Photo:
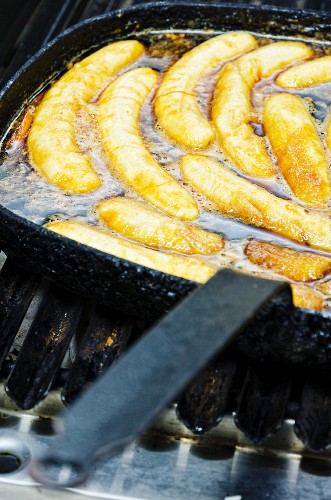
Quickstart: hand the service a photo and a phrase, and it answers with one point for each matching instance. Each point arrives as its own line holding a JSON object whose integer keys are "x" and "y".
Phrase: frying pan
{"x": 135, "y": 289}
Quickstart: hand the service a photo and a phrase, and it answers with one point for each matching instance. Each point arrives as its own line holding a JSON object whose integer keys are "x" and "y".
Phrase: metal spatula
{"x": 130, "y": 395}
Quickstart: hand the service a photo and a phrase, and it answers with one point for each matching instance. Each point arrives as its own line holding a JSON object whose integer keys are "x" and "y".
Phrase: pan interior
{"x": 28, "y": 195}
{"x": 204, "y": 22}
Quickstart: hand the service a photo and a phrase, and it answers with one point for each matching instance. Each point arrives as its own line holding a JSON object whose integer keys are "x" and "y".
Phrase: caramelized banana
{"x": 307, "y": 74}
{"x": 232, "y": 115}
{"x": 176, "y": 104}
{"x": 239, "y": 198}
{"x": 298, "y": 148}
{"x": 232, "y": 110}
{"x": 306, "y": 297}
{"x": 22, "y": 130}
{"x": 184, "y": 267}
{"x": 51, "y": 142}
{"x": 119, "y": 111}
{"x": 296, "y": 266}
{"x": 324, "y": 287}
{"x": 263, "y": 62}
{"x": 137, "y": 222}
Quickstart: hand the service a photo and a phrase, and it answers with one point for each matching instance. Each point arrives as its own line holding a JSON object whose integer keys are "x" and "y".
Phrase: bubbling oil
{"x": 25, "y": 192}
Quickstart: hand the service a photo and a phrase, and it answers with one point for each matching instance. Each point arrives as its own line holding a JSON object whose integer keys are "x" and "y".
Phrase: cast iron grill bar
{"x": 263, "y": 401}
{"x": 17, "y": 288}
{"x": 44, "y": 347}
{"x": 205, "y": 401}
{"x": 104, "y": 341}
{"x": 313, "y": 421}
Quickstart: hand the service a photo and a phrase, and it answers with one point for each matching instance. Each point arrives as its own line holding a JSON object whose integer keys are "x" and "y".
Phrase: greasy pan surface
{"x": 110, "y": 280}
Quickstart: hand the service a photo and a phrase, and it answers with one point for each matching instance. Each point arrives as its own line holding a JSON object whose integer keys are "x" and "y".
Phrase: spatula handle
{"x": 126, "y": 399}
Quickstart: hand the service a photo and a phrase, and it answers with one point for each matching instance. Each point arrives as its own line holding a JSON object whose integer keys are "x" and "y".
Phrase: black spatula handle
{"x": 126, "y": 399}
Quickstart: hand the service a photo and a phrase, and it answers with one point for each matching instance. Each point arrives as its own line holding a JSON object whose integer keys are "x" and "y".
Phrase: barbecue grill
{"x": 275, "y": 419}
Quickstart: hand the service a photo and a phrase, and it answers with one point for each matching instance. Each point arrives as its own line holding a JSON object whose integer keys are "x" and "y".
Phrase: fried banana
{"x": 22, "y": 131}
{"x": 237, "y": 197}
{"x": 307, "y": 74}
{"x": 51, "y": 142}
{"x": 232, "y": 115}
{"x": 324, "y": 287}
{"x": 136, "y": 221}
{"x": 232, "y": 111}
{"x": 307, "y": 297}
{"x": 177, "y": 265}
{"x": 119, "y": 110}
{"x": 176, "y": 104}
{"x": 328, "y": 130}
{"x": 296, "y": 266}
{"x": 298, "y": 148}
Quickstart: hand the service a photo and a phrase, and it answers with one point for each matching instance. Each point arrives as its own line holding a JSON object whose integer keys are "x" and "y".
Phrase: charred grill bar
{"x": 262, "y": 395}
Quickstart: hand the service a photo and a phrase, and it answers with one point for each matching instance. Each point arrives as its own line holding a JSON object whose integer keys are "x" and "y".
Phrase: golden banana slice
{"x": 232, "y": 115}
{"x": 307, "y": 74}
{"x": 328, "y": 131}
{"x": 51, "y": 142}
{"x": 119, "y": 110}
{"x": 296, "y": 266}
{"x": 184, "y": 267}
{"x": 324, "y": 287}
{"x": 298, "y": 148}
{"x": 176, "y": 104}
{"x": 307, "y": 297}
{"x": 254, "y": 205}
{"x": 232, "y": 110}
{"x": 134, "y": 220}
{"x": 264, "y": 61}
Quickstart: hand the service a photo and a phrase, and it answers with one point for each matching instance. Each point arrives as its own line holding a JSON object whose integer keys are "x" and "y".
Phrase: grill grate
{"x": 262, "y": 396}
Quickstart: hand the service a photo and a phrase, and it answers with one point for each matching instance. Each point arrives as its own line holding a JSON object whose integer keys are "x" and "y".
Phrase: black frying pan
{"x": 123, "y": 284}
